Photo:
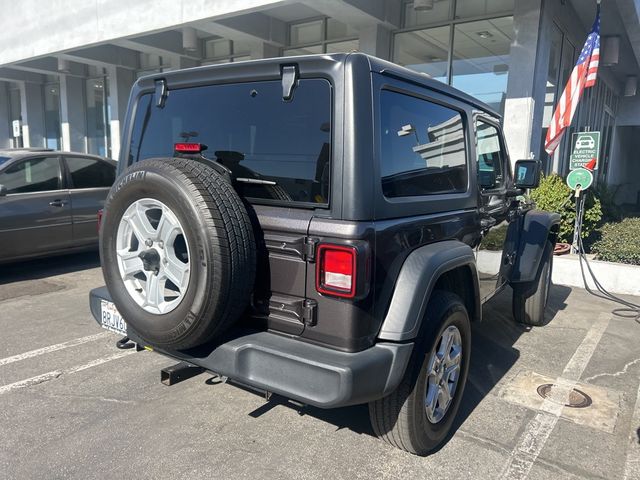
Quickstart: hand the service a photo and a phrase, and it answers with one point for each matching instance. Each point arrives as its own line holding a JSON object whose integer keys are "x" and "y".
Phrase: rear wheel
{"x": 530, "y": 301}
{"x": 178, "y": 252}
{"x": 418, "y": 415}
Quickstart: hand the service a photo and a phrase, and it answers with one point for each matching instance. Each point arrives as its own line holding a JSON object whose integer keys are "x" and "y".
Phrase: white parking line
{"x": 52, "y": 348}
{"x": 632, "y": 464}
{"x": 537, "y": 432}
{"x": 45, "y": 377}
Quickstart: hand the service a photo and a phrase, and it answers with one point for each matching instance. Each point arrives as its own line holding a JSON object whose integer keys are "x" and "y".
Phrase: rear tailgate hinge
{"x": 309, "y": 249}
{"x": 309, "y": 307}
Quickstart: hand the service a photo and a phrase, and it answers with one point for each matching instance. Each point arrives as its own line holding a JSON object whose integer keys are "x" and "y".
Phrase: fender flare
{"x": 537, "y": 227}
{"x": 415, "y": 282}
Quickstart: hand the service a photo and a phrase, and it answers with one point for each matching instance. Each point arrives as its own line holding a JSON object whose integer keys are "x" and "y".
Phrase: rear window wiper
{"x": 257, "y": 181}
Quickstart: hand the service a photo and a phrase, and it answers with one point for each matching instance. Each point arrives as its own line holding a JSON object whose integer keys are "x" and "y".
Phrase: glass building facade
{"x": 463, "y": 43}
{"x": 515, "y": 55}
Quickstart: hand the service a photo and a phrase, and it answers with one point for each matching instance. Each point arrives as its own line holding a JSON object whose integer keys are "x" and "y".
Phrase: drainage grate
{"x": 577, "y": 398}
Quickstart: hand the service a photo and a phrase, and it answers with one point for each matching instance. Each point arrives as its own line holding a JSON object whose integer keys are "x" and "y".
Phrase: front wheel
{"x": 418, "y": 415}
{"x": 530, "y": 302}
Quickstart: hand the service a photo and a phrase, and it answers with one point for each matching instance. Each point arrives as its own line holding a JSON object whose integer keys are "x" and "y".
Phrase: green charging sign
{"x": 579, "y": 176}
{"x": 584, "y": 147}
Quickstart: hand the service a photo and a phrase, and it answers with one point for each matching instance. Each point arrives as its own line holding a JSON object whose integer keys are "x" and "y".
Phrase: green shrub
{"x": 620, "y": 242}
{"x": 494, "y": 239}
{"x": 552, "y": 194}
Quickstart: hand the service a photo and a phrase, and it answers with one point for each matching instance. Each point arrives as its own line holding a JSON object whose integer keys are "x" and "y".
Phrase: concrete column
{"x": 264, "y": 50}
{"x": 72, "y": 113}
{"x": 32, "y": 104}
{"x": 6, "y": 132}
{"x": 527, "y": 79}
{"x": 120, "y": 82}
{"x": 375, "y": 40}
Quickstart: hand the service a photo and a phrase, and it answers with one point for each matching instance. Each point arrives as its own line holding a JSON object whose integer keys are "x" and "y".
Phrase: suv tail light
{"x": 336, "y": 270}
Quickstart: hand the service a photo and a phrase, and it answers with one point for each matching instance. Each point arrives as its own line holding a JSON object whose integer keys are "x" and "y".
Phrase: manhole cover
{"x": 577, "y": 398}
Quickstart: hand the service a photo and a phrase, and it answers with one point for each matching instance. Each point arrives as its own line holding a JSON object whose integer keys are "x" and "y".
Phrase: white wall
{"x": 37, "y": 27}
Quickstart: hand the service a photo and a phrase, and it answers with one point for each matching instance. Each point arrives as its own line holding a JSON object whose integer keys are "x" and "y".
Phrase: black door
{"x": 498, "y": 211}
{"x": 35, "y": 214}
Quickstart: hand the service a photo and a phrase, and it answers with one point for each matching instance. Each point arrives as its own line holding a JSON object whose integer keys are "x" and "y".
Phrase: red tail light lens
{"x": 188, "y": 147}
{"x": 100, "y": 212}
{"x": 336, "y": 270}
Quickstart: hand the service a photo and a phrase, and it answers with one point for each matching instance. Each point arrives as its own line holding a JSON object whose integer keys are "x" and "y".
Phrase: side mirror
{"x": 3, "y": 190}
{"x": 527, "y": 174}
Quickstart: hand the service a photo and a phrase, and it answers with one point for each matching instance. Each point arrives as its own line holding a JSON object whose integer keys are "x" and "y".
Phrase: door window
{"x": 490, "y": 156}
{"x": 90, "y": 173}
{"x": 32, "y": 175}
{"x": 422, "y": 147}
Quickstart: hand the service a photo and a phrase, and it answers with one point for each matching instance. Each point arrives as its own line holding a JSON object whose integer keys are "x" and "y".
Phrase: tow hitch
{"x": 179, "y": 372}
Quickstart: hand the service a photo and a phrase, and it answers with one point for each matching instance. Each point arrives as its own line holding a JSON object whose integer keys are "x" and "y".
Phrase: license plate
{"x": 111, "y": 318}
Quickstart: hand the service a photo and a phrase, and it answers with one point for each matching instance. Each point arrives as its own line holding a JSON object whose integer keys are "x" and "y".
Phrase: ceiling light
{"x": 610, "y": 51}
{"x": 189, "y": 39}
{"x": 484, "y": 34}
{"x": 422, "y": 5}
{"x": 631, "y": 86}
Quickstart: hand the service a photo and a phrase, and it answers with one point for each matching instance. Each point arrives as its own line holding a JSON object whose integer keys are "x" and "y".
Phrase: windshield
{"x": 282, "y": 148}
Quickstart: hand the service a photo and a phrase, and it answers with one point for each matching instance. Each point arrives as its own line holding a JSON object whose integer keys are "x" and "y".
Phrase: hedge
{"x": 552, "y": 194}
{"x": 619, "y": 242}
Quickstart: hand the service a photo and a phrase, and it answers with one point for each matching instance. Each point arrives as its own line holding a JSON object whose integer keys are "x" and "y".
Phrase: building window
{"x": 220, "y": 50}
{"x": 52, "y": 115}
{"x": 325, "y": 35}
{"x": 15, "y": 111}
{"x": 98, "y": 128}
{"x": 426, "y": 51}
{"x": 441, "y": 11}
{"x": 477, "y": 8}
{"x": 470, "y": 55}
{"x": 422, "y": 147}
{"x": 480, "y": 60}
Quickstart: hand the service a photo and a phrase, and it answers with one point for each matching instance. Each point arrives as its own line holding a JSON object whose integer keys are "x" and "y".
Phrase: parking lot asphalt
{"x": 74, "y": 406}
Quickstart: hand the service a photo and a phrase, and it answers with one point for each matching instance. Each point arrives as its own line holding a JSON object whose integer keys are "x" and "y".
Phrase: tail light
{"x": 184, "y": 147}
{"x": 100, "y": 212}
{"x": 336, "y": 270}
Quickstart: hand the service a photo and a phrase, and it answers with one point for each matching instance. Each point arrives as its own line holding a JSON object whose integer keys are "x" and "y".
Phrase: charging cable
{"x": 628, "y": 309}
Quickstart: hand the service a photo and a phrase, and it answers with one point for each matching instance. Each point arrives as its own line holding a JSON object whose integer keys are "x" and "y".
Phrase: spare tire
{"x": 178, "y": 251}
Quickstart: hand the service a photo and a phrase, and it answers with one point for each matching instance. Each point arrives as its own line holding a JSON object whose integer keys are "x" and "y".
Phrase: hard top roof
{"x": 376, "y": 65}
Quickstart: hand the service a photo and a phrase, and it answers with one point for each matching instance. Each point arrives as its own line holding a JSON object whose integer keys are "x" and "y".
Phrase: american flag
{"x": 583, "y": 76}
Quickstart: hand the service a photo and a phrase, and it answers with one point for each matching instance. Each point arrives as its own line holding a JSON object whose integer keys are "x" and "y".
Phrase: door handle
{"x": 57, "y": 203}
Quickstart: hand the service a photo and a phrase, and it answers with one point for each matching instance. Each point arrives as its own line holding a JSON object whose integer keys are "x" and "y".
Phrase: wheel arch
{"x": 538, "y": 228}
{"x": 448, "y": 265}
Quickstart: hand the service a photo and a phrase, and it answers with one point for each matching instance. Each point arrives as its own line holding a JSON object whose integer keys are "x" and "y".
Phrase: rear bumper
{"x": 301, "y": 371}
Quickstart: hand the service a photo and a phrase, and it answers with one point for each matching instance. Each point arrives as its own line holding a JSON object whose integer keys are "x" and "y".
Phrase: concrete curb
{"x": 615, "y": 277}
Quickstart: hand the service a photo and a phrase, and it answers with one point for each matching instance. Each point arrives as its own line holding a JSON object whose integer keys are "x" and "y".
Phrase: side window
{"x": 90, "y": 173}
{"x": 490, "y": 156}
{"x": 32, "y": 175}
{"x": 422, "y": 147}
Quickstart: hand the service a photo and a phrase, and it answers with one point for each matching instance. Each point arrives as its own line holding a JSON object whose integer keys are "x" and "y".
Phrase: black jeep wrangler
{"x": 313, "y": 227}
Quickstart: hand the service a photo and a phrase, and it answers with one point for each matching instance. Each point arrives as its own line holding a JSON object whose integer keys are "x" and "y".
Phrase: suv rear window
{"x": 249, "y": 129}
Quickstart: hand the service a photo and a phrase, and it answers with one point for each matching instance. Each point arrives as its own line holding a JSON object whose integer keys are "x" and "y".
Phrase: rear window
{"x": 249, "y": 129}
